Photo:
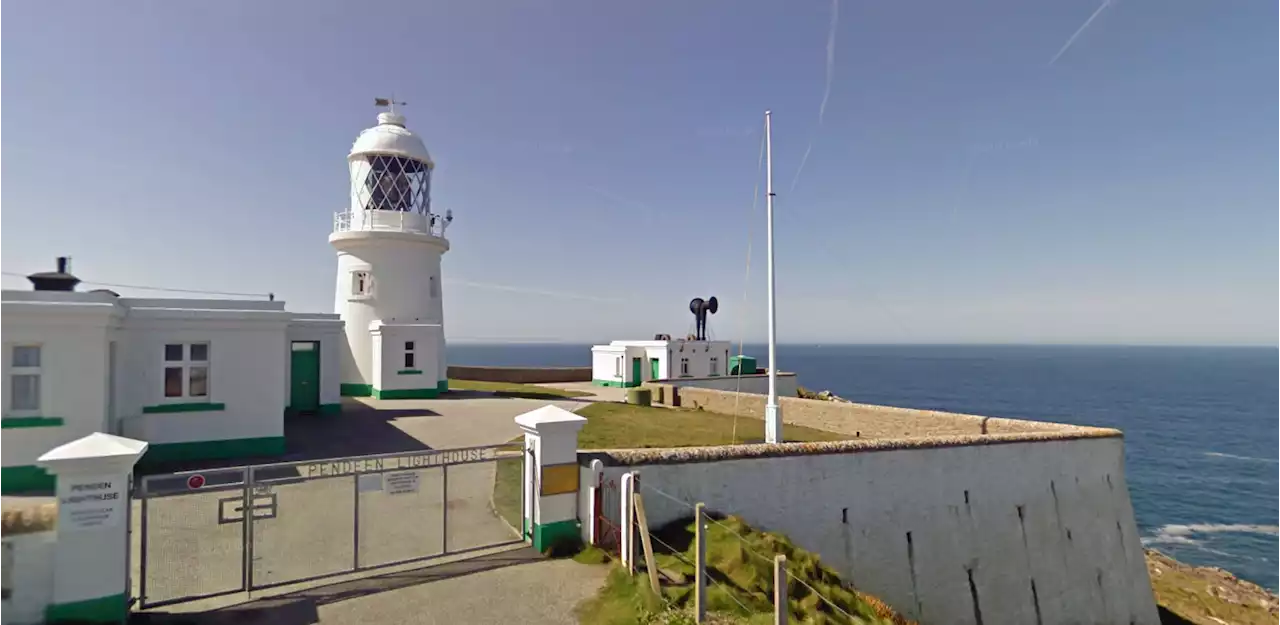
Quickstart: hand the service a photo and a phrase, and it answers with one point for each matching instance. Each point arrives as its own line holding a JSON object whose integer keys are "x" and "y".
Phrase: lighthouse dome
{"x": 390, "y": 138}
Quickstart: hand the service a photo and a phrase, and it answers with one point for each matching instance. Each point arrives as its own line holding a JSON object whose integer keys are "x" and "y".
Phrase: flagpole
{"x": 772, "y": 412}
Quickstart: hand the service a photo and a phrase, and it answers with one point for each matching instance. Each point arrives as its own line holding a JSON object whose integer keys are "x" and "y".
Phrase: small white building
{"x": 630, "y": 363}
{"x": 195, "y": 378}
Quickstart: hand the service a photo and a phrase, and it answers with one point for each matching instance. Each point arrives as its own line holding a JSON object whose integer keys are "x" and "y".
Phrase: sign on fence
{"x": 402, "y": 483}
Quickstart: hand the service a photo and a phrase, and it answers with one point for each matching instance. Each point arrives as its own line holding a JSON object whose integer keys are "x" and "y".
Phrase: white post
{"x": 772, "y": 412}
{"x": 627, "y": 544}
{"x": 700, "y": 564}
{"x": 597, "y": 470}
{"x": 551, "y": 515}
{"x": 91, "y": 556}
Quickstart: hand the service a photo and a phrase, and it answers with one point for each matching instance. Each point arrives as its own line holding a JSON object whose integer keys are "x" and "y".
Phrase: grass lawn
{"x": 506, "y": 389}
{"x": 623, "y": 426}
{"x": 740, "y": 578}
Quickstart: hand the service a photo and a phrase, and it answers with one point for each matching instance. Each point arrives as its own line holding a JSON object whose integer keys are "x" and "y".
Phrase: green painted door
{"x": 653, "y": 369}
{"x": 635, "y": 372}
{"x": 304, "y": 373}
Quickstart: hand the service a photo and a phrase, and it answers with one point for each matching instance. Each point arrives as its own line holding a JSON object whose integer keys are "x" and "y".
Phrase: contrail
{"x": 1066, "y": 46}
{"x": 529, "y": 291}
{"x": 826, "y": 91}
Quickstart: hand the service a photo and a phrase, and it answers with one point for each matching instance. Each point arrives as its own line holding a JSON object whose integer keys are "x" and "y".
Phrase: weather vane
{"x": 391, "y": 103}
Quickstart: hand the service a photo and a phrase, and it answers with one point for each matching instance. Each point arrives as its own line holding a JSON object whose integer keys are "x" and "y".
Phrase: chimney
{"x": 59, "y": 280}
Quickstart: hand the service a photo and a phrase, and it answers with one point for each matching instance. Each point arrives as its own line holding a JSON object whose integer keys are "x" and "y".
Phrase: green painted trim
{"x": 406, "y": 393}
{"x": 194, "y": 407}
{"x": 113, "y": 609}
{"x": 615, "y": 383}
{"x": 25, "y": 479}
{"x": 356, "y": 390}
{"x": 547, "y": 534}
{"x": 330, "y": 409}
{"x": 442, "y": 386}
{"x": 409, "y": 372}
{"x": 210, "y": 450}
{"x": 30, "y": 422}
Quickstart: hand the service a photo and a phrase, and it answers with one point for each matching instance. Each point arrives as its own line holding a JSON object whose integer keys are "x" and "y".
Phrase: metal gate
{"x": 313, "y": 519}
{"x": 608, "y": 514}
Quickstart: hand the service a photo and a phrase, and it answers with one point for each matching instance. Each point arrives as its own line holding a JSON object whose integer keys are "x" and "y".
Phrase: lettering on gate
{"x": 399, "y": 463}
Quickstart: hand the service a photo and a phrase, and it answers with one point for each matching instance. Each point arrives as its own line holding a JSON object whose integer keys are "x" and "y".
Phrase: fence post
{"x": 91, "y": 555}
{"x": 551, "y": 433}
{"x": 700, "y": 563}
{"x": 627, "y": 548}
{"x": 780, "y": 607}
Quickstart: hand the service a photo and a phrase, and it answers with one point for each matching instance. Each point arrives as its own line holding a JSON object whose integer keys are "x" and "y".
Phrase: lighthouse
{"x": 389, "y": 244}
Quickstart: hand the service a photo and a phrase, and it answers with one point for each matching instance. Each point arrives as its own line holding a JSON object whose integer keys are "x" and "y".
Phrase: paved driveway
{"x": 321, "y": 526}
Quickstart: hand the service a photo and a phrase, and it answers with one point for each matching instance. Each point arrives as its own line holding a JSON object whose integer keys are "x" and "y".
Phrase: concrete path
{"x": 506, "y": 587}
{"x": 598, "y": 393}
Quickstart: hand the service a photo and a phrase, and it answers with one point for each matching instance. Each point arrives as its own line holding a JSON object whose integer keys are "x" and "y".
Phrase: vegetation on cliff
{"x": 1207, "y": 596}
{"x": 739, "y": 563}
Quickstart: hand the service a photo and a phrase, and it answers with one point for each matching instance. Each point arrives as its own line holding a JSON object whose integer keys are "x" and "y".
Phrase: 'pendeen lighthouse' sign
{"x": 94, "y": 503}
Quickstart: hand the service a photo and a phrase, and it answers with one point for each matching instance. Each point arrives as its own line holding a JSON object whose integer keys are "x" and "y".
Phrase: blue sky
{"x": 600, "y": 159}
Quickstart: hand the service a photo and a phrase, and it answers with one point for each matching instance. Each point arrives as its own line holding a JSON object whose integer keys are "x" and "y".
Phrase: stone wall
{"x": 521, "y": 375}
{"x": 857, "y": 420}
{"x": 27, "y": 550}
{"x": 1032, "y": 527}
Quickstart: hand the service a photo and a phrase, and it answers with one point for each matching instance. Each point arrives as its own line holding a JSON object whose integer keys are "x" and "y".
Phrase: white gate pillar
{"x": 551, "y": 475}
{"x": 91, "y": 555}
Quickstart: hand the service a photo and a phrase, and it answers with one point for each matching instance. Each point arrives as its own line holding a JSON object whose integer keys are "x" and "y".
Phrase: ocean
{"x": 1200, "y": 423}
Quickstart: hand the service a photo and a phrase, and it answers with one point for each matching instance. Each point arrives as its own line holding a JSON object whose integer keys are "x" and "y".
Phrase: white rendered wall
{"x": 73, "y": 373}
{"x": 1077, "y": 538}
{"x": 699, "y": 354}
{"x": 248, "y": 365}
{"x": 327, "y": 330}
{"x": 28, "y": 575}
{"x": 402, "y": 266}
{"x": 604, "y": 361}
{"x": 389, "y": 340}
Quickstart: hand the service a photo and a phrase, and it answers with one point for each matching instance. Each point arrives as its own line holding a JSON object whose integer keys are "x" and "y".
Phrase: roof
{"x": 390, "y": 137}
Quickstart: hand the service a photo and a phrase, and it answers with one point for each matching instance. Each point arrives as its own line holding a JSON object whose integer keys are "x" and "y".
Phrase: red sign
{"x": 195, "y": 481}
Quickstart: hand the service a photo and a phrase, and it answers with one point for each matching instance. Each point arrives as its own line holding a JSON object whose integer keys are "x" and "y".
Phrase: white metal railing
{"x": 390, "y": 221}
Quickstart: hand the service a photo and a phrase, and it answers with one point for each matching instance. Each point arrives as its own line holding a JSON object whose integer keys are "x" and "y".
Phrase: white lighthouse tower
{"x": 389, "y": 245}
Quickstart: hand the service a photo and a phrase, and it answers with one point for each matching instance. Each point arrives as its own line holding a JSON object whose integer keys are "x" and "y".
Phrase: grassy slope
{"x": 506, "y": 389}
{"x": 743, "y": 576}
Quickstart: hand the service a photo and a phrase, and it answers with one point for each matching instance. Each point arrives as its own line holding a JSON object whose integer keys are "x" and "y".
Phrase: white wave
{"x": 1216, "y": 454}
{"x": 1186, "y": 534}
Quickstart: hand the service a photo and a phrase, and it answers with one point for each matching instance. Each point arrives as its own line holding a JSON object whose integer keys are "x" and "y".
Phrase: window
{"x": 684, "y": 366}
{"x": 408, "y": 354}
{"x": 361, "y": 284}
{"x": 186, "y": 371}
{"x": 715, "y": 366}
{"x": 617, "y": 367}
{"x": 24, "y": 379}
{"x": 431, "y": 286}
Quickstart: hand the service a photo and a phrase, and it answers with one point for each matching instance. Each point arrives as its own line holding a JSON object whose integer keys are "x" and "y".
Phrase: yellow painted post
{"x": 700, "y": 564}
{"x": 780, "y": 611}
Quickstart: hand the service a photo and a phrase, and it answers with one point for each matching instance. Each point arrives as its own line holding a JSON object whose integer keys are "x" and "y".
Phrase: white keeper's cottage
{"x": 209, "y": 378}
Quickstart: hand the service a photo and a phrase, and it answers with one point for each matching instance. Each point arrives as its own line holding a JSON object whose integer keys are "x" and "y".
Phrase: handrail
{"x": 390, "y": 221}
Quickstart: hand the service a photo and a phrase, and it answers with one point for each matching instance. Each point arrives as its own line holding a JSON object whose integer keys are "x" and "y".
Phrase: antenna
{"x": 700, "y": 309}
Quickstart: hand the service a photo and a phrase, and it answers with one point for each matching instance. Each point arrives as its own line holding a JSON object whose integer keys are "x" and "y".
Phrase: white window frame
{"x": 14, "y": 371}
{"x": 617, "y": 367}
{"x": 715, "y": 366}
{"x": 187, "y": 365}
{"x": 684, "y": 367}
{"x": 362, "y": 284}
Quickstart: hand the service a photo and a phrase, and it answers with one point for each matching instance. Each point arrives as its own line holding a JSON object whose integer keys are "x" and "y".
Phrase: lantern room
{"x": 390, "y": 169}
